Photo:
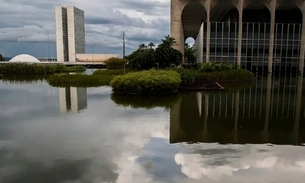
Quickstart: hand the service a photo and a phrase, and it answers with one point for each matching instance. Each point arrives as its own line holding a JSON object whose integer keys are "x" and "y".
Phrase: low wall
{"x": 94, "y": 57}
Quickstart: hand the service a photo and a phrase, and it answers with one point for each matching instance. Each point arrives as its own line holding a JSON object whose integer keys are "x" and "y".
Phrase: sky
{"x": 24, "y": 25}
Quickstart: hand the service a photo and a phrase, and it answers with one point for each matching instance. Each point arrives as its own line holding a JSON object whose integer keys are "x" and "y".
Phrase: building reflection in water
{"x": 268, "y": 112}
{"x": 72, "y": 99}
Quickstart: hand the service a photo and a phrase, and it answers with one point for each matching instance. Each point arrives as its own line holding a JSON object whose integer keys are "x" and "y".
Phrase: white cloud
{"x": 143, "y": 21}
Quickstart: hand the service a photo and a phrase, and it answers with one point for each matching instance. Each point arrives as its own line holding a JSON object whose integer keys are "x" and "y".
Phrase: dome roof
{"x": 25, "y": 58}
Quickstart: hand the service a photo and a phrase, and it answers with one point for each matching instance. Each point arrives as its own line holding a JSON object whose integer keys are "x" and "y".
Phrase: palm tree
{"x": 142, "y": 46}
{"x": 151, "y": 45}
{"x": 168, "y": 41}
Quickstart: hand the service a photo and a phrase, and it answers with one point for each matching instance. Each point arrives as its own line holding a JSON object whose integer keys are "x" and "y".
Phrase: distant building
{"x": 70, "y": 33}
{"x": 25, "y": 58}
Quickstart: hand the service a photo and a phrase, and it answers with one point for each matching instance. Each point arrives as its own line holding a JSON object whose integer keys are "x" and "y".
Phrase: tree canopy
{"x": 163, "y": 56}
{"x": 1, "y": 57}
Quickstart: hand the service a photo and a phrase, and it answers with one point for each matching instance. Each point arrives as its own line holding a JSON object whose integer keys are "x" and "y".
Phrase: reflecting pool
{"x": 76, "y": 135}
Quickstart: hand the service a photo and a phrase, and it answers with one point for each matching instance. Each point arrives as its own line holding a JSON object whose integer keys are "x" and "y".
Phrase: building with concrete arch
{"x": 259, "y": 35}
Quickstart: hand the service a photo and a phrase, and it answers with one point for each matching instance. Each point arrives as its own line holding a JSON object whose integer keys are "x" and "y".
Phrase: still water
{"x": 88, "y": 135}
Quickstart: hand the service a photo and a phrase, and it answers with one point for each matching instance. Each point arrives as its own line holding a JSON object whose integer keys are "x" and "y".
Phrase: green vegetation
{"x": 116, "y": 63}
{"x": 145, "y": 101}
{"x": 189, "y": 54}
{"x": 33, "y": 68}
{"x": 163, "y": 56}
{"x": 210, "y": 73}
{"x": 78, "y": 80}
{"x": 98, "y": 78}
{"x": 147, "y": 82}
{"x": 13, "y": 78}
{"x": 1, "y": 58}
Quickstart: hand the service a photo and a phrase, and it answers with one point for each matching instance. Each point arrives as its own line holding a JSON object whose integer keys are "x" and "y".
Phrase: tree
{"x": 166, "y": 55}
{"x": 151, "y": 45}
{"x": 1, "y": 58}
{"x": 146, "y": 57}
{"x": 190, "y": 54}
{"x": 142, "y": 58}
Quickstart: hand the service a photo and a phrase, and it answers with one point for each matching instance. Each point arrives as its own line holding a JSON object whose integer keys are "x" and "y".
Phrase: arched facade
{"x": 244, "y": 32}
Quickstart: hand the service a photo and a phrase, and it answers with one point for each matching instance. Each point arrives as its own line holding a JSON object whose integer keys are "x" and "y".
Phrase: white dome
{"x": 25, "y": 58}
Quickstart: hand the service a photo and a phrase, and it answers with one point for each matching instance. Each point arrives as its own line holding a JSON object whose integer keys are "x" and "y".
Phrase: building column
{"x": 302, "y": 51}
{"x": 240, "y": 7}
{"x": 272, "y": 8}
{"x": 176, "y": 27}
{"x": 208, "y": 10}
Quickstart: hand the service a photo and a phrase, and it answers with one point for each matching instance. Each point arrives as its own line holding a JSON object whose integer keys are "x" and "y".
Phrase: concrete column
{"x": 240, "y": 7}
{"x": 176, "y": 24}
{"x": 272, "y": 8}
{"x": 208, "y": 9}
{"x": 302, "y": 51}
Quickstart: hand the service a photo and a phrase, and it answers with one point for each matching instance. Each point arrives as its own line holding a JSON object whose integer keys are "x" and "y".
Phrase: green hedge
{"x": 13, "y": 78}
{"x": 116, "y": 63}
{"x": 145, "y": 101}
{"x": 151, "y": 81}
{"x": 194, "y": 78}
{"x": 35, "y": 68}
{"x": 79, "y": 80}
{"x": 111, "y": 72}
{"x": 212, "y": 66}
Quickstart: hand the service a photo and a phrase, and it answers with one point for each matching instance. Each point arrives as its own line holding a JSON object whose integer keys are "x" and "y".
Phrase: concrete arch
{"x": 256, "y": 12}
{"x": 288, "y": 14}
{"x": 190, "y": 40}
{"x": 223, "y": 12}
{"x": 192, "y": 16}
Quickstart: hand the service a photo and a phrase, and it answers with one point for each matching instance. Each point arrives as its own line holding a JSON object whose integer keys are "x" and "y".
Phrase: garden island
{"x": 148, "y": 70}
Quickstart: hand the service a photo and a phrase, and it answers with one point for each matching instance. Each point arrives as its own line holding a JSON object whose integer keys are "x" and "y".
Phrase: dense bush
{"x": 13, "y": 78}
{"x": 111, "y": 72}
{"x": 193, "y": 78}
{"x": 116, "y": 63}
{"x": 79, "y": 80}
{"x": 163, "y": 56}
{"x": 226, "y": 75}
{"x": 35, "y": 68}
{"x": 146, "y": 82}
{"x": 212, "y": 66}
{"x": 145, "y": 101}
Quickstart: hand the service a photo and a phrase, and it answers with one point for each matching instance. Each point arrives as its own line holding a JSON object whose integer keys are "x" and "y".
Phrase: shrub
{"x": 116, "y": 63}
{"x": 111, "y": 72}
{"x": 147, "y": 82}
{"x": 212, "y": 66}
{"x": 145, "y": 101}
{"x": 188, "y": 77}
{"x": 79, "y": 80}
{"x": 23, "y": 78}
{"x": 37, "y": 68}
{"x": 226, "y": 75}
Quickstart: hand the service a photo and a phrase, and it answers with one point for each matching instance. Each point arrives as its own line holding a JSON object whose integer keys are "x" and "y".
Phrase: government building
{"x": 259, "y": 35}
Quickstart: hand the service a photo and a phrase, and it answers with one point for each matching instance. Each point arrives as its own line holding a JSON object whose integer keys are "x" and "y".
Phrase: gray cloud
{"x": 143, "y": 21}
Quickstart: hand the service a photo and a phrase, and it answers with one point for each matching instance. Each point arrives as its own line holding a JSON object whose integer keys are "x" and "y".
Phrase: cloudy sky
{"x": 23, "y": 24}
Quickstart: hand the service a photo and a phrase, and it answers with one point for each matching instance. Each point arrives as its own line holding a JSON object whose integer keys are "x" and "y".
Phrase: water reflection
{"x": 72, "y": 99}
{"x": 268, "y": 112}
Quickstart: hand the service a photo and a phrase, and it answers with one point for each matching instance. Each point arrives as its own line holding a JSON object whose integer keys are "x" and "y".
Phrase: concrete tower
{"x": 70, "y": 33}
{"x": 266, "y": 35}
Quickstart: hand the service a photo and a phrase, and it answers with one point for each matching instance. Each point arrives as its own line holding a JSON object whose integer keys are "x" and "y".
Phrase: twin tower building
{"x": 70, "y": 33}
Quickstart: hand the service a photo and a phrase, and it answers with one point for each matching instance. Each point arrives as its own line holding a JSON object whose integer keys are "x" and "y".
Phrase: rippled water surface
{"x": 74, "y": 135}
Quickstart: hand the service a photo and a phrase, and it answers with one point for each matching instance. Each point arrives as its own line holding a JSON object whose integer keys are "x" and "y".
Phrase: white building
{"x": 72, "y": 99}
{"x": 70, "y": 33}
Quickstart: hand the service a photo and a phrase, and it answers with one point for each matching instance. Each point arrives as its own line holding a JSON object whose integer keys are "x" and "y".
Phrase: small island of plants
{"x": 149, "y": 69}
{"x": 143, "y": 82}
